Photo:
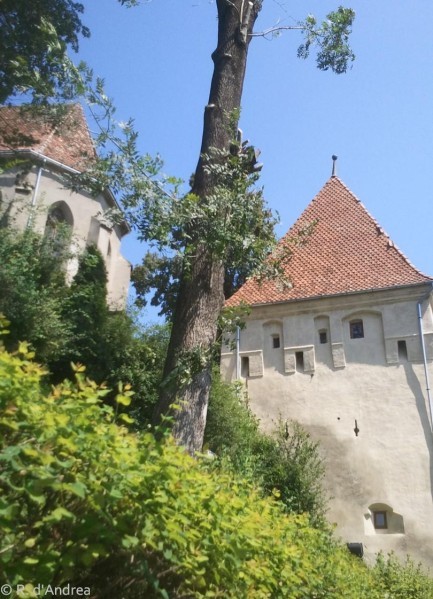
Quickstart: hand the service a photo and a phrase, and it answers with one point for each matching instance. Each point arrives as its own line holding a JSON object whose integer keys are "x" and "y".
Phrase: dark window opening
{"x": 356, "y": 329}
{"x": 245, "y": 367}
{"x": 380, "y": 519}
{"x": 299, "y": 361}
{"x": 402, "y": 351}
{"x": 323, "y": 336}
{"x": 56, "y": 218}
{"x": 275, "y": 341}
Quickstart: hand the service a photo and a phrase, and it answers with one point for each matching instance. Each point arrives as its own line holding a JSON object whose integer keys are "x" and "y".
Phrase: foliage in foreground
{"x": 86, "y": 502}
{"x": 67, "y": 324}
{"x": 288, "y": 461}
{"x": 403, "y": 581}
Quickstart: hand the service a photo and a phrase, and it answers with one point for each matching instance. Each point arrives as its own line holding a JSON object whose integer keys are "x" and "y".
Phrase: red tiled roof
{"x": 66, "y": 140}
{"x": 347, "y": 251}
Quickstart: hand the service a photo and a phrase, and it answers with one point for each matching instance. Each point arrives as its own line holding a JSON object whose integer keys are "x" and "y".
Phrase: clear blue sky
{"x": 378, "y": 118}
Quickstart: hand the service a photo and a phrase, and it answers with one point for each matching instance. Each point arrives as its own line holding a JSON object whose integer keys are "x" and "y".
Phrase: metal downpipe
{"x": 238, "y": 339}
{"x": 424, "y": 355}
{"x": 34, "y": 197}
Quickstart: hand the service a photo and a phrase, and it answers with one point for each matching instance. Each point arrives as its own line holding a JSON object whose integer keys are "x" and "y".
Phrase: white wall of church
{"x": 22, "y": 198}
{"x": 333, "y": 383}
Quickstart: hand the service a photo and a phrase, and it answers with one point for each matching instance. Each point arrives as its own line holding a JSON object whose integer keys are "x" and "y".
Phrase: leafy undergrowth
{"x": 84, "y": 501}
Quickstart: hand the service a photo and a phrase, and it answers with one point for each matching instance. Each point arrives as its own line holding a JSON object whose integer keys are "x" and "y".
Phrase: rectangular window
{"x": 402, "y": 351}
{"x": 275, "y": 341}
{"x": 245, "y": 367}
{"x": 380, "y": 519}
{"x": 356, "y": 329}
{"x": 323, "y": 336}
{"x": 299, "y": 355}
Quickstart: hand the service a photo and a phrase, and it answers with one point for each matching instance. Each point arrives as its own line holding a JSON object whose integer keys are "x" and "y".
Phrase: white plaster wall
{"x": 89, "y": 225}
{"x": 391, "y": 459}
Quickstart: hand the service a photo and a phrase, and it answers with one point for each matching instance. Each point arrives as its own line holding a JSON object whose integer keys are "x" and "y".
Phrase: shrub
{"x": 402, "y": 580}
{"x": 73, "y": 324}
{"x": 86, "y": 502}
{"x": 32, "y": 291}
{"x": 287, "y": 461}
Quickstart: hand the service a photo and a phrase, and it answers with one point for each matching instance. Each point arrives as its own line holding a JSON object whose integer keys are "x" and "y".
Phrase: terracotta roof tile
{"x": 347, "y": 251}
{"x": 66, "y": 140}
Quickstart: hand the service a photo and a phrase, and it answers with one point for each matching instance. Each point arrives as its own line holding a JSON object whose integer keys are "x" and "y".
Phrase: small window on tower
{"x": 275, "y": 341}
{"x": 299, "y": 357}
{"x": 245, "y": 367}
{"x": 402, "y": 351}
{"x": 356, "y": 329}
{"x": 380, "y": 520}
{"x": 323, "y": 336}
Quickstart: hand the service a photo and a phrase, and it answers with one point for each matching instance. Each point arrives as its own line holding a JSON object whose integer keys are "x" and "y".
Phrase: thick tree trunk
{"x": 201, "y": 297}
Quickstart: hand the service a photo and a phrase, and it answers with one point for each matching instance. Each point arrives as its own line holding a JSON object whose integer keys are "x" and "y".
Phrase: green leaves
{"x": 113, "y": 506}
{"x": 33, "y": 44}
{"x": 285, "y": 465}
{"x": 332, "y": 39}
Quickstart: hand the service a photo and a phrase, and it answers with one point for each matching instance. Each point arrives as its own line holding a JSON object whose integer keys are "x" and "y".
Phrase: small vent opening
{"x": 299, "y": 361}
{"x": 402, "y": 351}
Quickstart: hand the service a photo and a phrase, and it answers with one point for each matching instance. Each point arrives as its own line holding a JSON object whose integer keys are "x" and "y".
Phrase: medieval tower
{"x": 347, "y": 351}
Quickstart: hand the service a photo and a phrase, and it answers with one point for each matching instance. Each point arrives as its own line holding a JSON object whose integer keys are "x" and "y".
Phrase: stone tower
{"x": 347, "y": 350}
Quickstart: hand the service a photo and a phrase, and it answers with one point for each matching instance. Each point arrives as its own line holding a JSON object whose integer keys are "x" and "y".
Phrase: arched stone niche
{"x": 59, "y": 215}
{"x": 381, "y": 519}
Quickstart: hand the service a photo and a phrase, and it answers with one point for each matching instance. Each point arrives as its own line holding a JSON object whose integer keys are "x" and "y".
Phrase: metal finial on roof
{"x": 334, "y": 165}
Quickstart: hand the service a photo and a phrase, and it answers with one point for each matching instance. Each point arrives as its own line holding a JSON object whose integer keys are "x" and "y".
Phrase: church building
{"x": 38, "y": 152}
{"x": 347, "y": 351}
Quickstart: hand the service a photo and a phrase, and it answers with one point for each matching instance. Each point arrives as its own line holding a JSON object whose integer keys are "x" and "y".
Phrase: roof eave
{"x": 428, "y": 281}
{"x": 124, "y": 226}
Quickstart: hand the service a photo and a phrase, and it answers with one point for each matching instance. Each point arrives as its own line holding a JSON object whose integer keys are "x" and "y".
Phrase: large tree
{"x": 200, "y": 295}
{"x": 210, "y": 228}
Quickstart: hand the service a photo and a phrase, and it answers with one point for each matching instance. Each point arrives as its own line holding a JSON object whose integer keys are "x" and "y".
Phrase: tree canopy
{"x": 34, "y": 41}
{"x": 223, "y": 224}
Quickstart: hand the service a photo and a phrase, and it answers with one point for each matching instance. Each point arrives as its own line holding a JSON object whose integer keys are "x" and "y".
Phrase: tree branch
{"x": 272, "y": 30}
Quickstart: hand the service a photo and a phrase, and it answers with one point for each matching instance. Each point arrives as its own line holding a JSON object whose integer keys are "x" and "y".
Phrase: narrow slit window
{"x": 356, "y": 329}
{"x": 402, "y": 351}
{"x": 323, "y": 336}
{"x": 245, "y": 367}
{"x": 276, "y": 341}
{"x": 299, "y": 361}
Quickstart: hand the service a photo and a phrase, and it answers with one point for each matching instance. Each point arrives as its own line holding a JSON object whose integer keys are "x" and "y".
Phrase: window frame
{"x": 356, "y": 329}
{"x": 245, "y": 367}
{"x": 377, "y": 514}
{"x": 276, "y": 341}
{"x": 323, "y": 336}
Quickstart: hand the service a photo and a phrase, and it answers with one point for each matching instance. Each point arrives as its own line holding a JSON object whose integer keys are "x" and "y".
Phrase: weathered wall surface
{"x": 84, "y": 214}
{"x": 332, "y": 383}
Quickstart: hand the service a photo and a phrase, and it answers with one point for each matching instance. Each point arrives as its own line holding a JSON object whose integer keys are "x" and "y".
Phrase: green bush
{"x": 402, "y": 580}
{"x": 73, "y": 324}
{"x": 33, "y": 290}
{"x": 136, "y": 354}
{"x": 86, "y": 502}
{"x": 287, "y": 461}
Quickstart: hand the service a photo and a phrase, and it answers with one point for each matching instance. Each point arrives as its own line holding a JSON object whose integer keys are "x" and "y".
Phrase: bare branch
{"x": 273, "y": 30}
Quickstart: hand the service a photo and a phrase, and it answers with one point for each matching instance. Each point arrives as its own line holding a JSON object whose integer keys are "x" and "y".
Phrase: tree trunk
{"x": 201, "y": 297}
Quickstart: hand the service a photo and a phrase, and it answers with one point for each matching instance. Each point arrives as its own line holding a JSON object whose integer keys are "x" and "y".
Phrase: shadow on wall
{"x": 381, "y": 519}
{"x": 417, "y": 390}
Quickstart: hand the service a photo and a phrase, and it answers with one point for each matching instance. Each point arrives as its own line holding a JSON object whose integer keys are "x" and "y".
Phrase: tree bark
{"x": 201, "y": 296}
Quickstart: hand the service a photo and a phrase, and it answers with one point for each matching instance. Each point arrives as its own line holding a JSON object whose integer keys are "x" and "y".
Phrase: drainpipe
{"x": 424, "y": 356}
{"x": 238, "y": 340}
{"x": 35, "y": 196}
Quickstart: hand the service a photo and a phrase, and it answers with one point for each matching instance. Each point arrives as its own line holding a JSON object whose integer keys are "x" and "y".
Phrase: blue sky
{"x": 378, "y": 118}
